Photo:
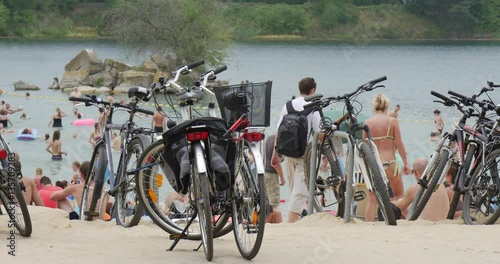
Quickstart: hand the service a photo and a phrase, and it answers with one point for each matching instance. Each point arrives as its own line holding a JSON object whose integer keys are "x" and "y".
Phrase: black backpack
{"x": 292, "y": 132}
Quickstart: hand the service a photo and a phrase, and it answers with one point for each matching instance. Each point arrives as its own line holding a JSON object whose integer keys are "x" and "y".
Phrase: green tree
{"x": 4, "y": 18}
{"x": 189, "y": 29}
{"x": 281, "y": 19}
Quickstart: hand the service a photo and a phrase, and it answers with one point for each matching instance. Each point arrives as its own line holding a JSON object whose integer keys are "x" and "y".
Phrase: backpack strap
{"x": 289, "y": 107}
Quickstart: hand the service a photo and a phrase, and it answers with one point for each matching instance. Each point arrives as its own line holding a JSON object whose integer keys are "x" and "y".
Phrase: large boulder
{"x": 150, "y": 66}
{"x": 114, "y": 67}
{"x": 86, "y": 61}
{"x": 137, "y": 78}
{"x": 74, "y": 78}
{"x": 20, "y": 85}
{"x": 164, "y": 63}
{"x": 102, "y": 79}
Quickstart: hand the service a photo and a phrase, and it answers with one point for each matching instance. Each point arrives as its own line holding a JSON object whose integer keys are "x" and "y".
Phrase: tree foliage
{"x": 188, "y": 29}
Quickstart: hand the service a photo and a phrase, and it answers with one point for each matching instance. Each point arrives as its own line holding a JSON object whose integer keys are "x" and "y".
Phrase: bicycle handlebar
{"x": 492, "y": 85}
{"x": 440, "y": 96}
{"x": 367, "y": 87}
{"x": 467, "y": 100}
{"x": 90, "y": 101}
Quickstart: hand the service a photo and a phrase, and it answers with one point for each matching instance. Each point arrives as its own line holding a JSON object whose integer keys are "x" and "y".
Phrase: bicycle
{"x": 467, "y": 144}
{"x": 362, "y": 154}
{"x": 11, "y": 188}
{"x": 185, "y": 200}
{"x": 127, "y": 208}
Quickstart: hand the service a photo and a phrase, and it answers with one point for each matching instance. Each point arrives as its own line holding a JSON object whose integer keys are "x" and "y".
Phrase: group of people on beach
{"x": 385, "y": 130}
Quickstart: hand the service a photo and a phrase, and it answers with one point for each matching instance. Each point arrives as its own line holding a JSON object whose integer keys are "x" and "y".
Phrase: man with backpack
{"x": 295, "y": 129}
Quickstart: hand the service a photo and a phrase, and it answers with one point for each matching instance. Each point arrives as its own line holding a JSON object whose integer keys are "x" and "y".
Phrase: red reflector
{"x": 3, "y": 154}
{"x": 200, "y": 135}
{"x": 254, "y": 136}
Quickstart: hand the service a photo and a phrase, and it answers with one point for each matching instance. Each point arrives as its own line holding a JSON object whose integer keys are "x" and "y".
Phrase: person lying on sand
{"x": 76, "y": 190}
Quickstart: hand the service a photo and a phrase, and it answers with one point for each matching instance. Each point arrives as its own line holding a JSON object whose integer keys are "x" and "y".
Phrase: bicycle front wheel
{"x": 249, "y": 210}
{"x": 379, "y": 186}
{"x": 481, "y": 201}
{"x": 128, "y": 208}
{"x": 94, "y": 182}
{"x": 425, "y": 192}
{"x": 15, "y": 205}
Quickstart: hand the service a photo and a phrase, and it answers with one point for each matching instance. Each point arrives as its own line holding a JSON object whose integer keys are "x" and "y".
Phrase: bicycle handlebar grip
{"x": 381, "y": 79}
{"x": 220, "y": 69}
{"x": 80, "y": 99}
{"x": 495, "y": 85}
{"x": 440, "y": 96}
{"x": 195, "y": 64}
{"x": 463, "y": 97}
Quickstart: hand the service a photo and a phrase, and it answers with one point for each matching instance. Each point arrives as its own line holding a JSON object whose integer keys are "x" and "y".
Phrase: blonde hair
{"x": 39, "y": 171}
{"x": 381, "y": 103}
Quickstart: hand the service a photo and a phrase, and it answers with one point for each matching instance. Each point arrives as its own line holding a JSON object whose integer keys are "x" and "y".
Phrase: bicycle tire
{"x": 457, "y": 192}
{"x": 249, "y": 207}
{"x": 326, "y": 198}
{"x": 424, "y": 194}
{"x": 24, "y": 225}
{"x": 152, "y": 191}
{"x": 94, "y": 182}
{"x": 379, "y": 187}
{"x": 127, "y": 189}
{"x": 478, "y": 205}
{"x": 202, "y": 202}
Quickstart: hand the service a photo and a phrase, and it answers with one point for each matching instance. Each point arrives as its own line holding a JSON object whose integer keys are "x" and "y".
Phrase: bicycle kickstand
{"x": 182, "y": 235}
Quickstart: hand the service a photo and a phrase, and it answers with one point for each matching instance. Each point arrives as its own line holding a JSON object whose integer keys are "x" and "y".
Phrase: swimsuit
{"x": 57, "y": 122}
{"x": 5, "y": 123}
{"x": 398, "y": 159}
{"x": 57, "y": 157}
{"x": 158, "y": 129}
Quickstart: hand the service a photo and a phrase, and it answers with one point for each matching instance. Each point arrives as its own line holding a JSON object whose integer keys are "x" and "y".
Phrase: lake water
{"x": 413, "y": 70}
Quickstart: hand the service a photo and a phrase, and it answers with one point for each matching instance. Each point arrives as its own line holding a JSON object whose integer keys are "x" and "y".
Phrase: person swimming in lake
{"x": 54, "y": 146}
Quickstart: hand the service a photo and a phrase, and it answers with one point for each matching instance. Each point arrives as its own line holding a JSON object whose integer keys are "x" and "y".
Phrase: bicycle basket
{"x": 254, "y": 99}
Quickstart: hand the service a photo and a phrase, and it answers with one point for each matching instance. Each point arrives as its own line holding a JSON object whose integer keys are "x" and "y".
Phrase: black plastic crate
{"x": 251, "y": 98}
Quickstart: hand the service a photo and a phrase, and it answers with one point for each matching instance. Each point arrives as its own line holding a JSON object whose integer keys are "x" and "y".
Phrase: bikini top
{"x": 387, "y": 135}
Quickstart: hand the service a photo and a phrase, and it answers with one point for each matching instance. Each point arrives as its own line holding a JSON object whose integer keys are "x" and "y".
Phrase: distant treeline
{"x": 341, "y": 19}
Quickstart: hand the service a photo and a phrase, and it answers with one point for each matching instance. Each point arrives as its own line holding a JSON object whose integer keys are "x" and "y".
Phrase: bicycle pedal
{"x": 359, "y": 196}
{"x": 252, "y": 229}
{"x": 333, "y": 181}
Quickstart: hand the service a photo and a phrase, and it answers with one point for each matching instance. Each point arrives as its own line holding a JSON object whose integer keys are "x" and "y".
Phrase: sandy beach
{"x": 319, "y": 238}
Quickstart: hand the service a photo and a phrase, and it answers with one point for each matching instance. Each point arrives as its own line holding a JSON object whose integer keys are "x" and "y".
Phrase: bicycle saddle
{"x": 140, "y": 93}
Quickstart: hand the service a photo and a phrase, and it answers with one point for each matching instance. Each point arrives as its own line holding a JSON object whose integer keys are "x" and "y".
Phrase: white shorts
{"x": 295, "y": 171}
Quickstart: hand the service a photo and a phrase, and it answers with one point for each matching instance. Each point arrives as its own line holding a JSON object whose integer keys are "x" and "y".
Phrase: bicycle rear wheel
{"x": 481, "y": 201}
{"x": 168, "y": 209}
{"x": 128, "y": 208}
{"x": 380, "y": 188}
{"x": 94, "y": 182}
{"x": 202, "y": 201}
{"x": 15, "y": 205}
{"x": 425, "y": 192}
{"x": 249, "y": 210}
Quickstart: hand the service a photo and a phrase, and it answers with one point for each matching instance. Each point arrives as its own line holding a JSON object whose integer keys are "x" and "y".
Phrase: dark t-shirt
{"x": 269, "y": 154}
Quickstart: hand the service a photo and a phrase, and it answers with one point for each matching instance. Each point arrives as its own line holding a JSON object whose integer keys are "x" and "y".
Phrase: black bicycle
{"x": 127, "y": 208}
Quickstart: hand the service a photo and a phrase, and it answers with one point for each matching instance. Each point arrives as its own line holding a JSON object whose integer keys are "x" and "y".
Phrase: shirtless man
{"x": 438, "y": 205}
{"x": 54, "y": 146}
{"x": 159, "y": 121}
{"x": 394, "y": 113}
{"x": 438, "y": 120}
{"x": 76, "y": 190}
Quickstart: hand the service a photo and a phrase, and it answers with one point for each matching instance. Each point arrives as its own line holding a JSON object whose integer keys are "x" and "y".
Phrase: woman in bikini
{"x": 54, "y": 146}
{"x": 95, "y": 135}
{"x": 387, "y": 137}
